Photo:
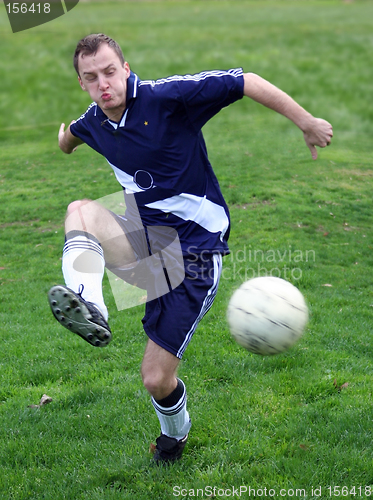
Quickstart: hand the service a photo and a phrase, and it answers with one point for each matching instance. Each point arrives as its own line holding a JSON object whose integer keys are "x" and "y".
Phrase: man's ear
{"x": 81, "y": 84}
{"x": 127, "y": 68}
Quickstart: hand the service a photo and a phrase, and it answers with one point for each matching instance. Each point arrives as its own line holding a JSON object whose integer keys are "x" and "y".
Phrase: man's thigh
{"x": 90, "y": 217}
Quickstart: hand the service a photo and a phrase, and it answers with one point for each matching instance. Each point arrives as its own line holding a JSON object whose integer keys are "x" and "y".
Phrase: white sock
{"x": 174, "y": 420}
{"x": 83, "y": 263}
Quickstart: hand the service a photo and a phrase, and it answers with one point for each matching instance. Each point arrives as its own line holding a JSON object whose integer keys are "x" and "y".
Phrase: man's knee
{"x": 151, "y": 383}
{"x": 74, "y": 205}
{"x": 157, "y": 382}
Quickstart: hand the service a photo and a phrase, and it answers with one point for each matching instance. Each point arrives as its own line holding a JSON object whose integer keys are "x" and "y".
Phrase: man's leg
{"x": 93, "y": 238}
{"x": 159, "y": 370}
{"x": 92, "y": 219}
{"x": 171, "y": 322}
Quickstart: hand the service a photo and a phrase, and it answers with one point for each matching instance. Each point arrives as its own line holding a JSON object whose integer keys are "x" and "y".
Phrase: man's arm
{"x": 66, "y": 140}
{"x": 316, "y": 132}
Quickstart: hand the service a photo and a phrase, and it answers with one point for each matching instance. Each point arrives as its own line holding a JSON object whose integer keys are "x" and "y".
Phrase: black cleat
{"x": 168, "y": 449}
{"x": 79, "y": 316}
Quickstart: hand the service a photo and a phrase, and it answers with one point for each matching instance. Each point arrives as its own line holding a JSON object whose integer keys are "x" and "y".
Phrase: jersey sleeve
{"x": 83, "y": 127}
{"x": 205, "y": 94}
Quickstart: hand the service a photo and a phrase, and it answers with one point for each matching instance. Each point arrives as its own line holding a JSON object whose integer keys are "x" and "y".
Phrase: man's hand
{"x": 66, "y": 140}
{"x": 317, "y": 132}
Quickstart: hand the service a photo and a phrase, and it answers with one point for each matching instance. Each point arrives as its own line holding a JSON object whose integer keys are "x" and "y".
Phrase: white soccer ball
{"x": 267, "y": 315}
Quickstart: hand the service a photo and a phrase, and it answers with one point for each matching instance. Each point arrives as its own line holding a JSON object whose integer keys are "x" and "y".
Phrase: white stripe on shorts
{"x": 207, "y": 303}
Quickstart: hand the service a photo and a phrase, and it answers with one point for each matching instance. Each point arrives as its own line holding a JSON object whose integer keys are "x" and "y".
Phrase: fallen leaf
{"x": 43, "y": 401}
{"x": 152, "y": 448}
{"x": 339, "y": 387}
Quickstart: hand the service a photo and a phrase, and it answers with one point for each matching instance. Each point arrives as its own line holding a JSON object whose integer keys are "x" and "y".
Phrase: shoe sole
{"x": 74, "y": 315}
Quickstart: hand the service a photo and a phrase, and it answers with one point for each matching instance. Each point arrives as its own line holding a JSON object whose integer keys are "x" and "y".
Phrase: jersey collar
{"x": 132, "y": 87}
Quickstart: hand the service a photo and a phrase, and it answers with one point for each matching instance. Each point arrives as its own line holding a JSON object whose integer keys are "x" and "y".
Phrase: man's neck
{"x": 114, "y": 115}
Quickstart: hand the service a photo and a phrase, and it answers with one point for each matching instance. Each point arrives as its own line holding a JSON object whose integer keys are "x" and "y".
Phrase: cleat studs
{"x": 79, "y": 316}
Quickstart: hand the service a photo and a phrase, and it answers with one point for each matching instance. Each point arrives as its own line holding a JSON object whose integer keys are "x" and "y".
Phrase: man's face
{"x": 105, "y": 79}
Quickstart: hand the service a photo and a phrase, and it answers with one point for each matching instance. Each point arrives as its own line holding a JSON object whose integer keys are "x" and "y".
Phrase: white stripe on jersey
{"x": 125, "y": 180}
{"x": 89, "y": 107}
{"x": 207, "y": 303}
{"x": 198, "y": 77}
{"x": 135, "y": 86}
{"x": 198, "y": 209}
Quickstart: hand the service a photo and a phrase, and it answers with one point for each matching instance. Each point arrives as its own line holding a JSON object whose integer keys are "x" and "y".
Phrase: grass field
{"x": 298, "y": 424}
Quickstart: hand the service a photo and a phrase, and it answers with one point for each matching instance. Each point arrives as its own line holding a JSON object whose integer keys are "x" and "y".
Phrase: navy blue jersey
{"x": 158, "y": 153}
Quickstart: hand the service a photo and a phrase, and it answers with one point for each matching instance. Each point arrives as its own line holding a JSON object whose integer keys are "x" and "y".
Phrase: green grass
{"x": 278, "y": 422}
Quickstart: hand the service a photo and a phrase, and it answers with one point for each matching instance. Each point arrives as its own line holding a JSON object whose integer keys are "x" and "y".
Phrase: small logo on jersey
{"x": 146, "y": 123}
{"x": 143, "y": 179}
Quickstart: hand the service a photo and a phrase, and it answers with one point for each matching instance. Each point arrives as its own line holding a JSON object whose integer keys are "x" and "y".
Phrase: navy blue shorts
{"x": 171, "y": 318}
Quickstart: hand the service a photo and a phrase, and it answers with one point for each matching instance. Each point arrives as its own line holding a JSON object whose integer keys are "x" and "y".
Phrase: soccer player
{"x": 150, "y": 134}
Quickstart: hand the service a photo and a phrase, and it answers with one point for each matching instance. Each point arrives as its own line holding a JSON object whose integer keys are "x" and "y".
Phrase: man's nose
{"x": 102, "y": 82}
